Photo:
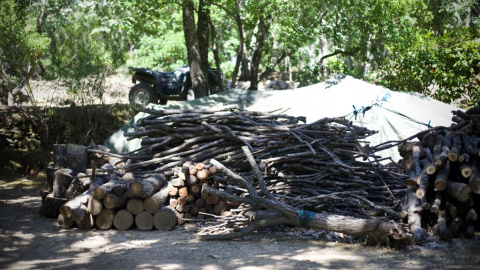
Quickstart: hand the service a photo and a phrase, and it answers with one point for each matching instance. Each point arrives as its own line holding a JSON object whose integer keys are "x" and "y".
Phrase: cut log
{"x": 202, "y": 174}
{"x": 183, "y": 192}
{"x": 200, "y": 202}
{"x": 414, "y": 217}
{"x": 455, "y": 225}
{"x": 86, "y": 223}
{"x": 195, "y": 190}
{"x": 154, "y": 203}
{"x": 63, "y": 178}
{"x": 112, "y": 201}
{"x": 443, "y": 231}
{"x": 177, "y": 182}
{"x": 165, "y": 219}
{"x": 456, "y": 146}
{"x": 442, "y": 177}
{"x": 173, "y": 191}
{"x": 452, "y": 209}
{"x": 77, "y": 158}
{"x": 173, "y": 203}
{"x": 79, "y": 213}
{"x": 135, "y": 206}
{"x": 436, "y": 203}
{"x": 212, "y": 200}
{"x": 51, "y": 206}
{"x": 104, "y": 220}
{"x": 94, "y": 206}
{"x": 459, "y": 191}
{"x": 123, "y": 220}
{"x": 101, "y": 191}
{"x": 144, "y": 221}
{"x": 50, "y": 173}
{"x": 79, "y": 185}
{"x": 64, "y": 222}
{"x": 466, "y": 170}
{"x": 423, "y": 185}
{"x": 474, "y": 180}
{"x": 191, "y": 180}
{"x": 471, "y": 216}
{"x": 60, "y": 156}
{"x": 147, "y": 187}
{"x": 80, "y": 200}
{"x": 219, "y": 208}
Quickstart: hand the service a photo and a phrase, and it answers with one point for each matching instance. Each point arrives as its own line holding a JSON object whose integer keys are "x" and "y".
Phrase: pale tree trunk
{"x": 264, "y": 26}
{"x": 199, "y": 78}
{"x": 241, "y": 48}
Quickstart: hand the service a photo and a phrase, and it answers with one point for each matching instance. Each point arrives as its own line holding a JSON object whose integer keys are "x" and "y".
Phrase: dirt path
{"x": 28, "y": 241}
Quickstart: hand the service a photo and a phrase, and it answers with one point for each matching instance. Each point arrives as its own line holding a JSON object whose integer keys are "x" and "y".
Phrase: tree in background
{"x": 21, "y": 47}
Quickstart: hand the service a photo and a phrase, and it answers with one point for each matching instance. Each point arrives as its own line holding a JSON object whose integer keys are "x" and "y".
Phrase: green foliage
{"x": 20, "y": 48}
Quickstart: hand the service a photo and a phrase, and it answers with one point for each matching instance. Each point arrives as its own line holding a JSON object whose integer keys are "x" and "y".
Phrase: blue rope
{"x": 305, "y": 218}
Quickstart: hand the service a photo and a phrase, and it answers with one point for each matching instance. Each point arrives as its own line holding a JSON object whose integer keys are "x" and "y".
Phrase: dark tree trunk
{"x": 216, "y": 55}
{"x": 199, "y": 78}
{"x": 264, "y": 26}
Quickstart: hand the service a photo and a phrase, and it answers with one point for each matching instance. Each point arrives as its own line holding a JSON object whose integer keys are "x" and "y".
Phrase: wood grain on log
{"x": 104, "y": 220}
{"x": 165, "y": 219}
{"x": 94, "y": 206}
{"x": 86, "y": 223}
{"x": 123, "y": 220}
{"x": 135, "y": 206}
{"x": 144, "y": 221}
{"x": 51, "y": 206}
{"x": 442, "y": 177}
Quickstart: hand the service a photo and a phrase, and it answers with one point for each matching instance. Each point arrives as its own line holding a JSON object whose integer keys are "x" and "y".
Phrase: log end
{"x": 165, "y": 219}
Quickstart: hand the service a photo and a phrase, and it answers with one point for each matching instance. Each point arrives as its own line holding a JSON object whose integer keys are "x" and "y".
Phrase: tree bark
{"x": 157, "y": 200}
{"x": 147, "y": 187}
{"x": 63, "y": 178}
{"x": 264, "y": 26}
{"x": 199, "y": 76}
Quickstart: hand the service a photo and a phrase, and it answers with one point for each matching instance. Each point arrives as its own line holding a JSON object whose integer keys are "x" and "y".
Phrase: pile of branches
{"x": 282, "y": 170}
{"x": 444, "y": 178}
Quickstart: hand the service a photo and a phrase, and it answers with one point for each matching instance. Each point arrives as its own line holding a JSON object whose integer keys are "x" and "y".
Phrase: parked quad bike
{"x": 160, "y": 87}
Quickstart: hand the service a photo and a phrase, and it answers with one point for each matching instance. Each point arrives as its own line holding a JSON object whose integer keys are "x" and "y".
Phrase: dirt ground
{"x": 29, "y": 241}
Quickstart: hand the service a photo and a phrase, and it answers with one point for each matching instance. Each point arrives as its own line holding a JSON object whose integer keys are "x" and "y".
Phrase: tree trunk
{"x": 199, "y": 76}
{"x": 216, "y": 55}
{"x": 60, "y": 156}
{"x": 264, "y": 26}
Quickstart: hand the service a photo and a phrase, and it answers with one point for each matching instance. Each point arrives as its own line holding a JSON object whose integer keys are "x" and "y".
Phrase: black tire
{"x": 142, "y": 94}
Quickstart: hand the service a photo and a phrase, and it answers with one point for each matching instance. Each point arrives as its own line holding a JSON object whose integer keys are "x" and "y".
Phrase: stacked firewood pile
{"x": 245, "y": 170}
{"x": 444, "y": 178}
{"x": 17, "y": 130}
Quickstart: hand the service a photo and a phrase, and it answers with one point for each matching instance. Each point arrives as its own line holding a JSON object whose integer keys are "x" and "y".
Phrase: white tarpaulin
{"x": 395, "y": 115}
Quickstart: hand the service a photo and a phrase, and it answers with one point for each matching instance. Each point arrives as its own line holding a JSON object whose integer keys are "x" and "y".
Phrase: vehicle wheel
{"x": 190, "y": 94}
{"x": 142, "y": 94}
